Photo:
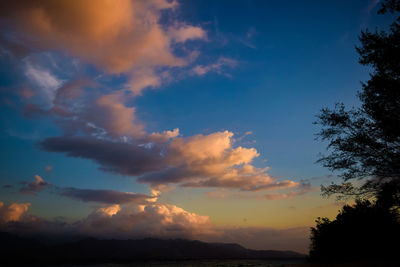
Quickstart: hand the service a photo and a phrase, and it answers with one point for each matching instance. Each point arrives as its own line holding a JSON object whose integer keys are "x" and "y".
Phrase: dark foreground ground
{"x": 236, "y": 263}
{"x": 197, "y": 263}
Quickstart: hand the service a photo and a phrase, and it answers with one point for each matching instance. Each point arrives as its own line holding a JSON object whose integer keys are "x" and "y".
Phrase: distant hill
{"x": 33, "y": 250}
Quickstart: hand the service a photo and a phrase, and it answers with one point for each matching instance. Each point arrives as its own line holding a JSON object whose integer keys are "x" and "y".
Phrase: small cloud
{"x": 164, "y": 136}
{"x": 44, "y": 81}
{"x": 33, "y": 187}
{"x": 185, "y": 32}
{"x": 49, "y": 168}
{"x": 26, "y": 92}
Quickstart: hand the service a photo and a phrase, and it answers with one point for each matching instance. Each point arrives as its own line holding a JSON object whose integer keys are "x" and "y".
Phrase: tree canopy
{"x": 364, "y": 146}
{"x": 364, "y": 142}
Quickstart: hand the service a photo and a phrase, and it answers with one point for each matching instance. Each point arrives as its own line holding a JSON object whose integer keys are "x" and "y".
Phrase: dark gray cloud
{"x": 104, "y": 196}
{"x": 118, "y": 157}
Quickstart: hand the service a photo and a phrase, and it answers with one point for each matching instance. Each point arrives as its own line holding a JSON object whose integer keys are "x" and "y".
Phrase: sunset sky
{"x": 173, "y": 119}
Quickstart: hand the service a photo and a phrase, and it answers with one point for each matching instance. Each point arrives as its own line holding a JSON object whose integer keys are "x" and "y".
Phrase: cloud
{"x": 157, "y": 220}
{"x": 26, "y": 92}
{"x": 196, "y": 161}
{"x": 100, "y": 123}
{"x": 218, "y": 67}
{"x": 149, "y": 220}
{"x": 33, "y": 187}
{"x": 127, "y": 35}
{"x": 141, "y": 79}
{"x": 212, "y": 161}
{"x": 79, "y": 107}
{"x": 105, "y": 196}
{"x": 48, "y": 168}
{"x": 129, "y": 220}
{"x": 303, "y": 188}
{"x": 164, "y": 136}
{"x": 113, "y": 116}
{"x": 13, "y": 211}
{"x": 112, "y": 156}
{"x": 43, "y": 80}
{"x": 185, "y": 32}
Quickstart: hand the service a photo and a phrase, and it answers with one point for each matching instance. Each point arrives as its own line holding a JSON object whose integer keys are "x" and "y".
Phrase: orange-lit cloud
{"x": 122, "y": 36}
{"x": 163, "y": 136}
{"x": 156, "y": 220}
{"x": 197, "y": 161}
{"x": 148, "y": 220}
{"x": 113, "y": 35}
{"x": 13, "y": 211}
{"x": 212, "y": 161}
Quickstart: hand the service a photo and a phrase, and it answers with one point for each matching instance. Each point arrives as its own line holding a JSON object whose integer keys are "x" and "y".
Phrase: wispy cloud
{"x": 218, "y": 67}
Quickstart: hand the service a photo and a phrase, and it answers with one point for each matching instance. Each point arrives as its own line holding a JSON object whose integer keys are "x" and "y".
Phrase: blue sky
{"x": 260, "y": 70}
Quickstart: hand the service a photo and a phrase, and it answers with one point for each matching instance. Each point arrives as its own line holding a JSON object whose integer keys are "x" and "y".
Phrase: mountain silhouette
{"x": 35, "y": 250}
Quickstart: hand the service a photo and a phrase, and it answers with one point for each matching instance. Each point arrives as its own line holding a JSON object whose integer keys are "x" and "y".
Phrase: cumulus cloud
{"x": 196, "y": 161}
{"x": 127, "y": 39}
{"x": 33, "y": 187}
{"x": 105, "y": 196}
{"x": 148, "y": 220}
{"x": 158, "y": 220}
{"x": 101, "y": 124}
{"x": 127, "y": 35}
{"x": 129, "y": 220}
{"x": 12, "y": 212}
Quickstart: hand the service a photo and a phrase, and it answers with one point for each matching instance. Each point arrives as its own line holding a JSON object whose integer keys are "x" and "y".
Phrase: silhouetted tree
{"x": 364, "y": 142}
{"x": 362, "y": 232}
{"x": 364, "y": 145}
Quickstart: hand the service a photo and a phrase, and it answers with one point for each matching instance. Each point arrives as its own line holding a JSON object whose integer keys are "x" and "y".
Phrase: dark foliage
{"x": 364, "y": 142}
{"x": 364, "y": 231}
{"x": 364, "y": 145}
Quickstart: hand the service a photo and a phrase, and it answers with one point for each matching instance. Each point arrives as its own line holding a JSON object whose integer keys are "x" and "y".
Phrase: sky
{"x": 173, "y": 119}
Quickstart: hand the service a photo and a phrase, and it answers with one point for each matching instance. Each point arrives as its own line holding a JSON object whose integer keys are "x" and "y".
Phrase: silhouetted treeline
{"x": 359, "y": 232}
{"x": 364, "y": 145}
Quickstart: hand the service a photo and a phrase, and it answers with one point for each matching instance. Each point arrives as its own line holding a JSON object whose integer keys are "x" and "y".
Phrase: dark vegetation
{"x": 364, "y": 146}
{"x": 90, "y": 250}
